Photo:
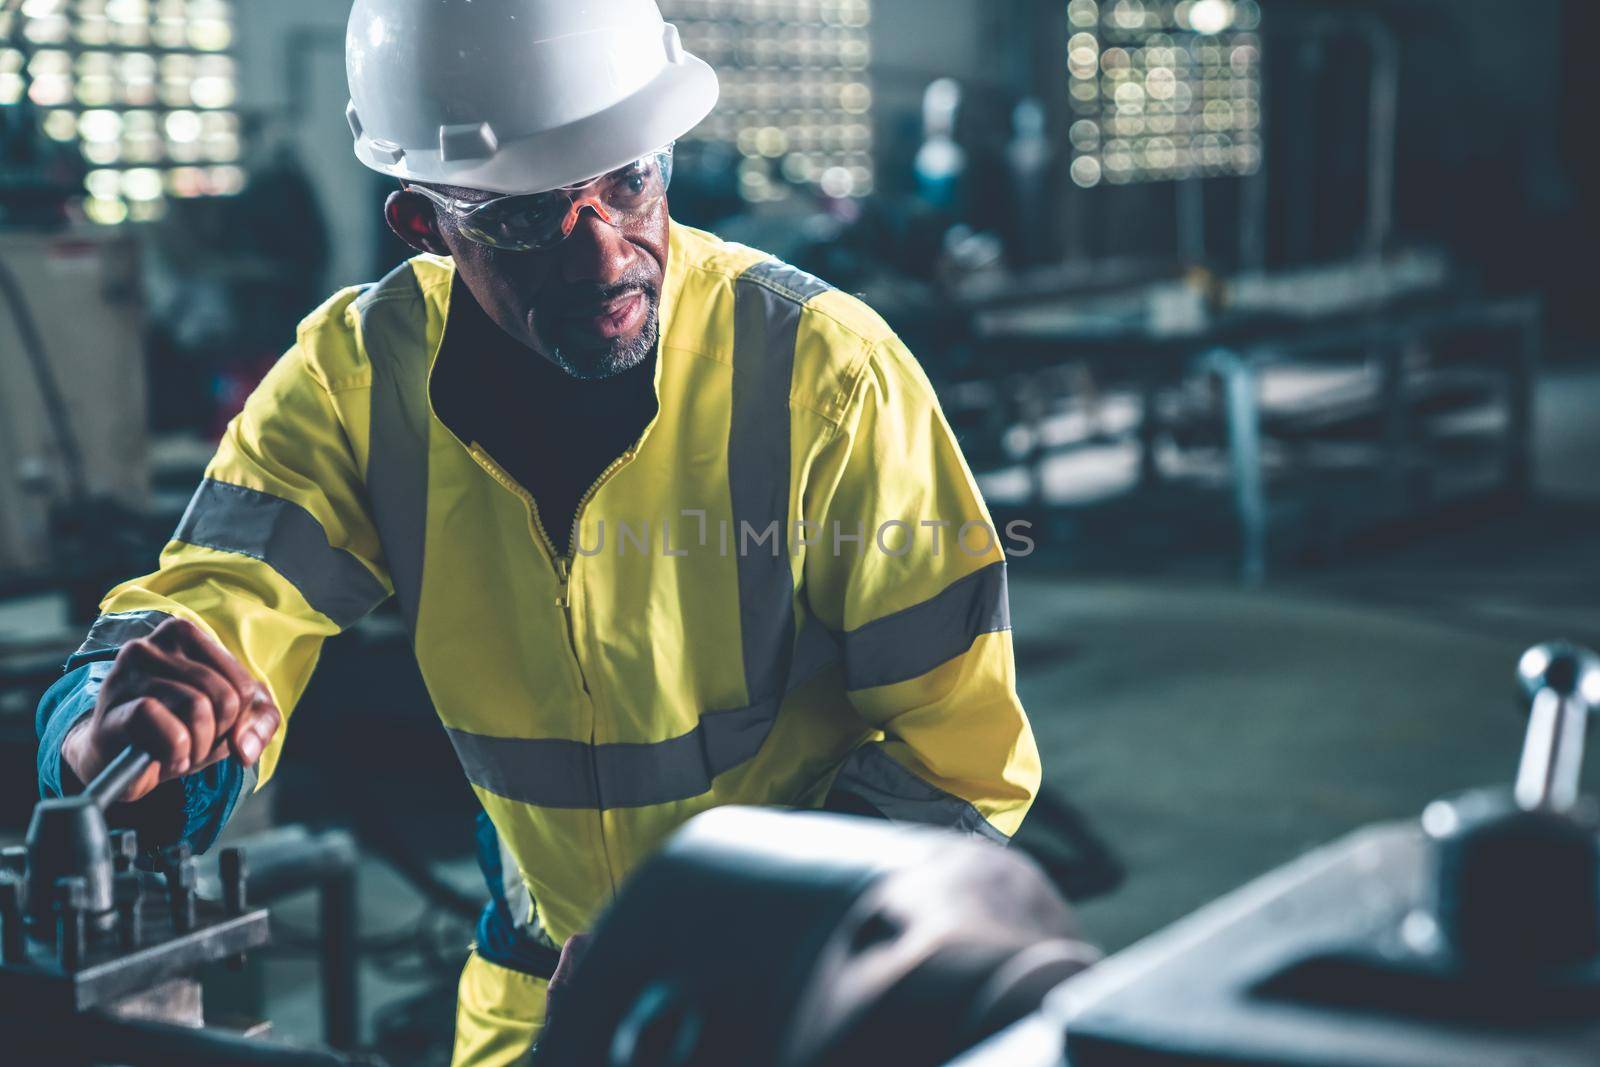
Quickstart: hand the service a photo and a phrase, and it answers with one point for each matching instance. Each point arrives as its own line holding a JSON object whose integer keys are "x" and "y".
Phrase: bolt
{"x": 175, "y": 856}
{"x": 230, "y": 865}
{"x": 14, "y": 859}
{"x": 72, "y": 899}
{"x": 124, "y": 849}
{"x": 13, "y": 941}
{"x": 129, "y": 895}
{"x": 180, "y": 887}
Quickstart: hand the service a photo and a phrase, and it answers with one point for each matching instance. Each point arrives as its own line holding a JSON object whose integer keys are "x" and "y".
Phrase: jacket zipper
{"x": 588, "y": 495}
{"x": 564, "y": 563}
{"x": 566, "y": 597}
{"x": 563, "y": 568}
{"x": 558, "y": 561}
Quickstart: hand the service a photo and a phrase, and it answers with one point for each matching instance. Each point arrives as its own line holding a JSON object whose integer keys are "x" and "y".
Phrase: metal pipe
{"x": 142, "y": 1043}
{"x": 1384, "y": 106}
{"x": 1192, "y": 221}
{"x": 341, "y": 1003}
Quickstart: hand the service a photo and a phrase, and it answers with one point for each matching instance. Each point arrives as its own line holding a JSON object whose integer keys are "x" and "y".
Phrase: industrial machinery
{"x": 791, "y": 940}
{"x": 72, "y": 387}
{"x": 96, "y": 953}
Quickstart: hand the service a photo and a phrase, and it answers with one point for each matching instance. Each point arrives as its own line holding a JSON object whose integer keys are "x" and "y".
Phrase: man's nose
{"x": 595, "y": 250}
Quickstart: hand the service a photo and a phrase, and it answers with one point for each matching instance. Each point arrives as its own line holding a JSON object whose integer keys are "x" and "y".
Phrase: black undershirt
{"x": 553, "y": 433}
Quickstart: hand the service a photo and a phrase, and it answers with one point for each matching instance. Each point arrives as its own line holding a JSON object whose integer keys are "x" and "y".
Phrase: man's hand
{"x": 182, "y": 698}
{"x": 571, "y": 955}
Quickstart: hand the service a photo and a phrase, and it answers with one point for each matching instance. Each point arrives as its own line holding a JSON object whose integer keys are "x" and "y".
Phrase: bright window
{"x": 796, "y": 100}
{"x": 1162, "y": 90}
{"x": 143, "y": 88}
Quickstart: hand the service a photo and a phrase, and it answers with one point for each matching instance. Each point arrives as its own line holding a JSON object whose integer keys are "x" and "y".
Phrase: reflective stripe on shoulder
{"x": 910, "y": 643}
{"x": 113, "y": 630}
{"x": 287, "y": 538}
{"x": 394, "y": 324}
{"x": 878, "y": 778}
{"x": 769, "y": 299}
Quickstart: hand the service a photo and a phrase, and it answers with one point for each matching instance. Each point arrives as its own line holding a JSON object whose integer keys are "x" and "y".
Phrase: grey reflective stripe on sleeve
{"x": 394, "y": 326}
{"x": 878, "y": 778}
{"x": 111, "y": 632}
{"x": 912, "y": 642}
{"x": 769, "y": 299}
{"x": 287, "y": 538}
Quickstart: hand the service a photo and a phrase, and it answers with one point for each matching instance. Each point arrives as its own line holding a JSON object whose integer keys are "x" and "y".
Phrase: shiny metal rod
{"x": 111, "y": 783}
{"x": 1563, "y": 683}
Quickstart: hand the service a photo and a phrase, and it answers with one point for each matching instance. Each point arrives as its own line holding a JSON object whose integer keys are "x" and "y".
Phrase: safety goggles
{"x": 541, "y": 221}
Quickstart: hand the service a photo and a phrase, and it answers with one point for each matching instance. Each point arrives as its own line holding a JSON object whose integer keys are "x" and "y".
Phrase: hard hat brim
{"x": 663, "y": 110}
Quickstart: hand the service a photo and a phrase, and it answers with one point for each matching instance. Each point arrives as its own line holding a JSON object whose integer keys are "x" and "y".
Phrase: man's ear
{"x": 411, "y": 216}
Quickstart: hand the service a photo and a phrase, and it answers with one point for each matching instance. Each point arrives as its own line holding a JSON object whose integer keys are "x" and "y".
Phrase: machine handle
{"x": 110, "y": 784}
{"x": 1563, "y": 683}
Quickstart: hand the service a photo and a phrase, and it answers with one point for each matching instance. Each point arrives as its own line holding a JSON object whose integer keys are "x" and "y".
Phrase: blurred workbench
{"x": 1419, "y": 347}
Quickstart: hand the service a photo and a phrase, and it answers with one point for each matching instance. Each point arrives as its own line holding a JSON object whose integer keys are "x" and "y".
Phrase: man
{"x": 673, "y": 524}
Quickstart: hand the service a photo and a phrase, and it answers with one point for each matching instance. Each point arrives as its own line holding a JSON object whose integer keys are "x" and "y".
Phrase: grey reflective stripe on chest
{"x": 769, "y": 299}
{"x": 394, "y": 325}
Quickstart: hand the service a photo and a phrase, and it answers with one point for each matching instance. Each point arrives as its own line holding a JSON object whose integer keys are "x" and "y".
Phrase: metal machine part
{"x": 68, "y": 838}
{"x": 790, "y": 939}
{"x": 84, "y": 934}
{"x": 1470, "y": 939}
{"x": 284, "y": 861}
{"x": 74, "y": 428}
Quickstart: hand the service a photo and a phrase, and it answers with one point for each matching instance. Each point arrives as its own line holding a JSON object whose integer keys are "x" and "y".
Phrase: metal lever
{"x": 110, "y": 784}
{"x": 67, "y": 838}
{"x": 1562, "y": 681}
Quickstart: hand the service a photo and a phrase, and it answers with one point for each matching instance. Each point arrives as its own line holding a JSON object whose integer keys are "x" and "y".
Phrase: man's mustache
{"x": 590, "y": 299}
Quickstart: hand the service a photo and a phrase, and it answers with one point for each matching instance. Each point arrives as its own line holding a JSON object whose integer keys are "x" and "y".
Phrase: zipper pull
{"x": 564, "y": 600}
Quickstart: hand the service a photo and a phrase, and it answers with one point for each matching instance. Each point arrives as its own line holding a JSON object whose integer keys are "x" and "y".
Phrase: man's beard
{"x": 619, "y": 355}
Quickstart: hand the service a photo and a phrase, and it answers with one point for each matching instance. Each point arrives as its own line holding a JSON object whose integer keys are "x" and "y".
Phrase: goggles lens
{"x": 542, "y": 221}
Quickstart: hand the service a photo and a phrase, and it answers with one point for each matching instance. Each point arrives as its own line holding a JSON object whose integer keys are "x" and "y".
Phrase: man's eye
{"x": 637, "y": 179}
{"x": 527, "y": 211}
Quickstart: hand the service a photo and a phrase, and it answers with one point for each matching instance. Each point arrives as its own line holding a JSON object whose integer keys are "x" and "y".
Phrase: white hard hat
{"x": 517, "y": 96}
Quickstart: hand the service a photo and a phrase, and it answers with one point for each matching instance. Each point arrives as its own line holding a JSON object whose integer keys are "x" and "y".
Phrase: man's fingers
{"x": 254, "y": 732}
{"x": 202, "y": 662}
{"x": 227, "y": 703}
{"x": 193, "y": 709}
{"x": 571, "y": 956}
{"x": 189, "y": 640}
{"x": 247, "y": 739}
{"x": 179, "y": 679}
{"x": 148, "y": 724}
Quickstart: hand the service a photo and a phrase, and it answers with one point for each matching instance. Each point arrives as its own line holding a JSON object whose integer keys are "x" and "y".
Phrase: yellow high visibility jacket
{"x": 788, "y": 584}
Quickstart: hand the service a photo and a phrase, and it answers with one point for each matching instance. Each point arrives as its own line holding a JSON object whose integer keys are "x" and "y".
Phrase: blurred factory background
{"x": 1275, "y": 319}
